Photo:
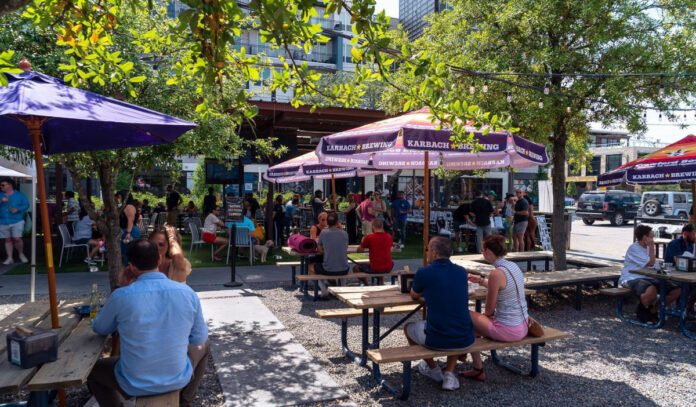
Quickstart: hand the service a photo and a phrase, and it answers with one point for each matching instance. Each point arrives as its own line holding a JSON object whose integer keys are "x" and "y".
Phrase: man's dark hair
{"x": 9, "y": 181}
{"x": 642, "y": 231}
{"x": 332, "y": 219}
{"x": 688, "y": 228}
{"x": 399, "y": 192}
{"x": 317, "y": 193}
{"x": 145, "y": 202}
{"x": 478, "y": 194}
{"x": 442, "y": 246}
{"x": 143, "y": 254}
{"x": 368, "y": 195}
{"x": 69, "y": 194}
{"x": 211, "y": 190}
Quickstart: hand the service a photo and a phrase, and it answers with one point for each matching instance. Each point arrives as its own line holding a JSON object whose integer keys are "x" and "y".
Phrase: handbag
{"x": 534, "y": 328}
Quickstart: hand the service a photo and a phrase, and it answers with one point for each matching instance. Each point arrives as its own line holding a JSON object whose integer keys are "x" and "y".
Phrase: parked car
{"x": 616, "y": 206}
{"x": 665, "y": 204}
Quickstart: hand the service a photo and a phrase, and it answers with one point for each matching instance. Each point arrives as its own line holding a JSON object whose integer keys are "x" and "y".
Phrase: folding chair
{"x": 67, "y": 243}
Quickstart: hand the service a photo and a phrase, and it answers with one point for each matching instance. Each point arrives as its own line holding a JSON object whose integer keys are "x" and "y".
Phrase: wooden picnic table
{"x": 660, "y": 241}
{"x": 375, "y": 299}
{"x": 685, "y": 280}
{"x": 78, "y": 350}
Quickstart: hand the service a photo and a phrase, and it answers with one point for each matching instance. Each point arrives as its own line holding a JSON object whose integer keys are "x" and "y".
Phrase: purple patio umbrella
{"x": 39, "y": 113}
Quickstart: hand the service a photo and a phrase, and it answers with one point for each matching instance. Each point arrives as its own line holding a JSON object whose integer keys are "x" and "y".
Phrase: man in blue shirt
{"x": 159, "y": 322}
{"x": 13, "y": 204}
{"x": 445, "y": 288}
{"x": 401, "y": 209}
{"x": 684, "y": 243}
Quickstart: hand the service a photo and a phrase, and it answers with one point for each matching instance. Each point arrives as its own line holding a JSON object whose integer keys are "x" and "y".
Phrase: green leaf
{"x": 137, "y": 79}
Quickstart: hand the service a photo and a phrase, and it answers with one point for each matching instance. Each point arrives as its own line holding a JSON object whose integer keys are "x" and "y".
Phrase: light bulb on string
{"x": 509, "y": 97}
{"x": 472, "y": 87}
{"x": 662, "y": 89}
{"x": 603, "y": 90}
{"x": 568, "y": 109}
{"x": 645, "y": 114}
{"x": 485, "y": 86}
{"x": 546, "y": 88}
{"x": 541, "y": 103}
{"x": 659, "y": 117}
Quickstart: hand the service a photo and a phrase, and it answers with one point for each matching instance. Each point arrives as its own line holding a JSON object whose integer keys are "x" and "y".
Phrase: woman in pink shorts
{"x": 506, "y": 318}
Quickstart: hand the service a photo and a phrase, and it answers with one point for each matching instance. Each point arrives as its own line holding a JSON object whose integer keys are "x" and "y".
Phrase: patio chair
{"x": 196, "y": 240}
{"x": 195, "y": 220}
{"x": 67, "y": 243}
{"x": 243, "y": 240}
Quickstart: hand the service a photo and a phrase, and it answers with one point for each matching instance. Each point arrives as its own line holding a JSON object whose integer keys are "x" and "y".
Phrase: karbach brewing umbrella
{"x": 39, "y": 113}
{"x": 669, "y": 165}
{"x": 308, "y": 166}
{"x": 414, "y": 139}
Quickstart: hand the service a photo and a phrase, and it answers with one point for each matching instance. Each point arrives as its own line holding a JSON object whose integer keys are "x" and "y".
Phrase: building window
{"x": 594, "y": 166}
{"x": 613, "y": 161}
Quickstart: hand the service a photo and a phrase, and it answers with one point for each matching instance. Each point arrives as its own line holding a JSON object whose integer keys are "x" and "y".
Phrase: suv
{"x": 665, "y": 204}
{"x": 615, "y": 206}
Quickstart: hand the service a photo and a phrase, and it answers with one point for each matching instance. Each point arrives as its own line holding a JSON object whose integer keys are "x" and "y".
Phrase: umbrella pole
{"x": 34, "y": 125}
{"x": 33, "y": 239}
{"x": 426, "y": 208}
{"x": 693, "y": 195}
{"x": 333, "y": 192}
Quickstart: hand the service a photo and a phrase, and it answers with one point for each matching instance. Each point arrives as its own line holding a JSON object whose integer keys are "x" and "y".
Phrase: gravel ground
{"x": 604, "y": 362}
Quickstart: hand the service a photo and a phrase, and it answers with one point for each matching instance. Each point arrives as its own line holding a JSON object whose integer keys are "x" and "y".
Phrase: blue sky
{"x": 391, "y": 7}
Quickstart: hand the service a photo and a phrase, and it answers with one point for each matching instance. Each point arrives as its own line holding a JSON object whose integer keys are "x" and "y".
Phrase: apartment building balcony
{"x": 297, "y": 54}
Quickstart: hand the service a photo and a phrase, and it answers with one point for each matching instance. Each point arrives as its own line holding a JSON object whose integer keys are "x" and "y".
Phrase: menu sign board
{"x": 234, "y": 209}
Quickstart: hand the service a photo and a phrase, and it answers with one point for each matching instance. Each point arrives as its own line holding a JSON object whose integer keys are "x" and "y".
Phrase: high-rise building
{"x": 412, "y": 12}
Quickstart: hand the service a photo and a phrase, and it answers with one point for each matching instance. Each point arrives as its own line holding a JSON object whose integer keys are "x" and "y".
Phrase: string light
{"x": 472, "y": 88}
{"x": 509, "y": 97}
{"x": 662, "y": 89}
{"x": 568, "y": 109}
{"x": 485, "y": 86}
{"x": 546, "y": 89}
{"x": 541, "y": 103}
{"x": 659, "y": 117}
{"x": 603, "y": 90}
{"x": 645, "y": 114}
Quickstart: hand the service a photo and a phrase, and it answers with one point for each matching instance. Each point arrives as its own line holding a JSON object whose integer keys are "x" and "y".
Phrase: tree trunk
{"x": 558, "y": 234}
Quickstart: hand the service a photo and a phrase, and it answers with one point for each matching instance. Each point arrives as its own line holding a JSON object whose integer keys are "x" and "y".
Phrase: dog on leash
{"x": 263, "y": 249}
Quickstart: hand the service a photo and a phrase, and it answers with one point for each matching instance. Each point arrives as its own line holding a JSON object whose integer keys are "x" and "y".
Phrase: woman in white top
{"x": 505, "y": 319}
{"x": 210, "y": 226}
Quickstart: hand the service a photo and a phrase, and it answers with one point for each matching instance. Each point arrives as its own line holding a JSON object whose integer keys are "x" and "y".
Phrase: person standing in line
{"x": 253, "y": 205}
{"x": 508, "y": 212}
{"x": 521, "y": 219}
{"x": 146, "y": 209}
{"x": 401, "y": 210}
{"x": 318, "y": 204}
{"x": 351, "y": 220}
{"x": 278, "y": 217}
{"x": 72, "y": 207}
{"x": 290, "y": 210}
{"x": 481, "y": 210}
{"x": 367, "y": 214}
{"x": 461, "y": 220}
{"x": 209, "y": 202}
{"x": 173, "y": 201}
{"x": 530, "y": 232}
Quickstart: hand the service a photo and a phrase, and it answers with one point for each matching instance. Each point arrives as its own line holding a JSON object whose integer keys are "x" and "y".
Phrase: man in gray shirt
{"x": 333, "y": 245}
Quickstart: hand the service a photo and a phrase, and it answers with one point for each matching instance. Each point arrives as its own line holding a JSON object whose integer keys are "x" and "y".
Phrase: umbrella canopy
{"x": 668, "y": 165}
{"x": 79, "y": 120}
{"x": 400, "y": 142}
{"x": 39, "y": 113}
{"x": 308, "y": 166}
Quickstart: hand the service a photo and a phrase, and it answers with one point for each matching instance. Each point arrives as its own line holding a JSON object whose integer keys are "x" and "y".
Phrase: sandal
{"x": 473, "y": 374}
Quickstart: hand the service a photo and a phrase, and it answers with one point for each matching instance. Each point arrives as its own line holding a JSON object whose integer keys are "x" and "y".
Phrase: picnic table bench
{"x": 407, "y": 354}
{"x": 684, "y": 279}
{"x": 78, "y": 351}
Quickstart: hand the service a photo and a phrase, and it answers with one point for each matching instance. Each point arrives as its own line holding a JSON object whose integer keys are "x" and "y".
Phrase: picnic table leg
{"x": 294, "y": 282}
{"x": 41, "y": 398}
{"x": 546, "y": 264}
{"x": 405, "y": 381}
{"x": 682, "y": 311}
{"x": 529, "y": 265}
{"x": 578, "y": 297}
{"x": 362, "y": 359}
{"x": 534, "y": 362}
{"x": 619, "y": 311}
{"x": 478, "y": 306}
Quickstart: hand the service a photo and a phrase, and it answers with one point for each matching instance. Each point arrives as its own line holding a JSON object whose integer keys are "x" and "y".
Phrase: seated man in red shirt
{"x": 379, "y": 244}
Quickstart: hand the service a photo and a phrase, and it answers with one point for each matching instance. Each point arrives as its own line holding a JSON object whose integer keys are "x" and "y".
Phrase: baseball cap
{"x": 688, "y": 228}
{"x": 491, "y": 192}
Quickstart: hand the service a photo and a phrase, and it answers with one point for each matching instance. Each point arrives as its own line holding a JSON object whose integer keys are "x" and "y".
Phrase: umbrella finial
{"x": 24, "y": 65}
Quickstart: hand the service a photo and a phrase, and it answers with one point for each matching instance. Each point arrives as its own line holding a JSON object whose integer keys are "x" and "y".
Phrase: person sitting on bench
{"x": 641, "y": 254}
{"x": 333, "y": 246}
{"x": 445, "y": 288}
{"x": 505, "y": 319}
{"x": 163, "y": 335}
{"x": 684, "y": 243}
{"x": 379, "y": 243}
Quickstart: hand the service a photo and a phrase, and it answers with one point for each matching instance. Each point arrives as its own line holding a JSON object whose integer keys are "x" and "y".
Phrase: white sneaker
{"x": 450, "y": 381}
{"x": 459, "y": 249}
{"x": 8, "y": 261}
{"x": 324, "y": 288}
{"x": 402, "y": 246}
{"x": 434, "y": 373}
{"x": 23, "y": 258}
